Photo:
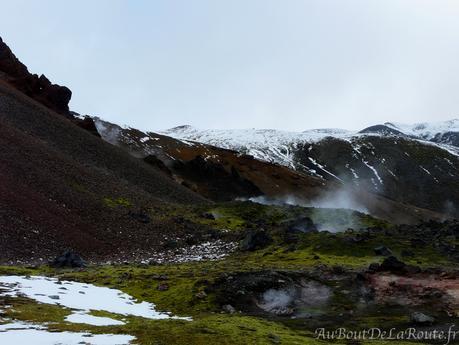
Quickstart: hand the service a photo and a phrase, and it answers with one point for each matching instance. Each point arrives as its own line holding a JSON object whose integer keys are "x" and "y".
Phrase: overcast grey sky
{"x": 282, "y": 64}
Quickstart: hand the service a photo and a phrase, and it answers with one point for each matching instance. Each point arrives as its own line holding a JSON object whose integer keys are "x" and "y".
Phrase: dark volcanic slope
{"x": 268, "y": 179}
{"x": 408, "y": 171}
{"x": 62, "y": 136}
{"x": 62, "y": 187}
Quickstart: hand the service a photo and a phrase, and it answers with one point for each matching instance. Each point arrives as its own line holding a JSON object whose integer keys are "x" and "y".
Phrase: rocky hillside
{"x": 61, "y": 187}
{"x": 416, "y": 164}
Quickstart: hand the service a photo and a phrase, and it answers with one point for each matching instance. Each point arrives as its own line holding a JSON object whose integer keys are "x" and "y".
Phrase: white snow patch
{"x": 374, "y": 171}
{"x": 352, "y": 171}
{"x": 391, "y": 172}
{"x": 428, "y": 172}
{"x": 313, "y": 161}
{"x": 28, "y": 333}
{"x": 82, "y": 317}
{"x": 78, "y": 296}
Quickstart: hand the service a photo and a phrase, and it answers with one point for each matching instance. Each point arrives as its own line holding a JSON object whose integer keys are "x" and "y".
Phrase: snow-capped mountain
{"x": 426, "y": 130}
{"x": 400, "y": 161}
{"x": 265, "y": 144}
{"x": 277, "y": 146}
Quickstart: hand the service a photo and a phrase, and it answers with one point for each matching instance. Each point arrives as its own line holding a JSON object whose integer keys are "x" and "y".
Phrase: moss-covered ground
{"x": 208, "y": 325}
{"x": 350, "y": 249}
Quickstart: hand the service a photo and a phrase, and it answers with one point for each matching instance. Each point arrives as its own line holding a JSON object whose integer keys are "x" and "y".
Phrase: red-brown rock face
{"x": 14, "y": 72}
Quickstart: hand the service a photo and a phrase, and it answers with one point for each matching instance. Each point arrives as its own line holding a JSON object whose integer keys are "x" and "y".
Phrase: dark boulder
{"x": 141, "y": 217}
{"x": 383, "y": 251}
{"x": 374, "y": 267}
{"x": 255, "y": 239}
{"x": 162, "y": 287}
{"x": 393, "y": 265}
{"x": 228, "y": 308}
{"x": 68, "y": 259}
{"x": 293, "y": 229}
{"x": 421, "y": 319}
{"x": 208, "y": 215}
{"x": 301, "y": 225}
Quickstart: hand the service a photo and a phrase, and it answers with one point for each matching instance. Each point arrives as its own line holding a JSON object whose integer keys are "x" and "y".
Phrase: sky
{"x": 282, "y": 64}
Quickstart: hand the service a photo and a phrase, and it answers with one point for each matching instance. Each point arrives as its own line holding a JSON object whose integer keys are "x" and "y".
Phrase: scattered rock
{"x": 374, "y": 267}
{"x": 201, "y": 295}
{"x": 228, "y": 308}
{"x": 383, "y": 251}
{"x": 421, "y": 319}
{"x": 208, "y": 215}
{"x": 337, "y": 269}
{"x": 140, "y": 216}
{"x": 171, "y": 244}
{"x": 68, "y": 259}
{"x": 393, "y": 265}
{"x": 160, "y": 277}
{"x": 163, "y": 287}
{"x": 54, "y": 297}
{"x": 303, "y": 225}
{"x": 255, "y": 239}
{"x": 275, "y": 339}
{"x": 282, "y": 311}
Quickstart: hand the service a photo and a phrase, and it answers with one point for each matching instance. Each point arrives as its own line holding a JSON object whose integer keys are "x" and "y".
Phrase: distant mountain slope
{"x": 265, "y": 144}
{"x": 276, "y": 182}
{"x": 176, "y": 155}
{"x": 426, "y": 130}
{"x": 411, "y": 164}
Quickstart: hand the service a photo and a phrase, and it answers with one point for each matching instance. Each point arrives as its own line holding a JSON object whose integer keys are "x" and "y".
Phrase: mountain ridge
{"x": 395, "y": 160}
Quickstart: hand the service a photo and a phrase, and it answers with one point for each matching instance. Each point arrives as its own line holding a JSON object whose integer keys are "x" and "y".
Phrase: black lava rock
{"x": 393, "y": 265}
{"x": 304, "y": 225}
{"x": 140, "y": 216}
{"x": 383, "y": 251}
{"x": 68, "y": 259}
{"x": 255, "y": 239}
